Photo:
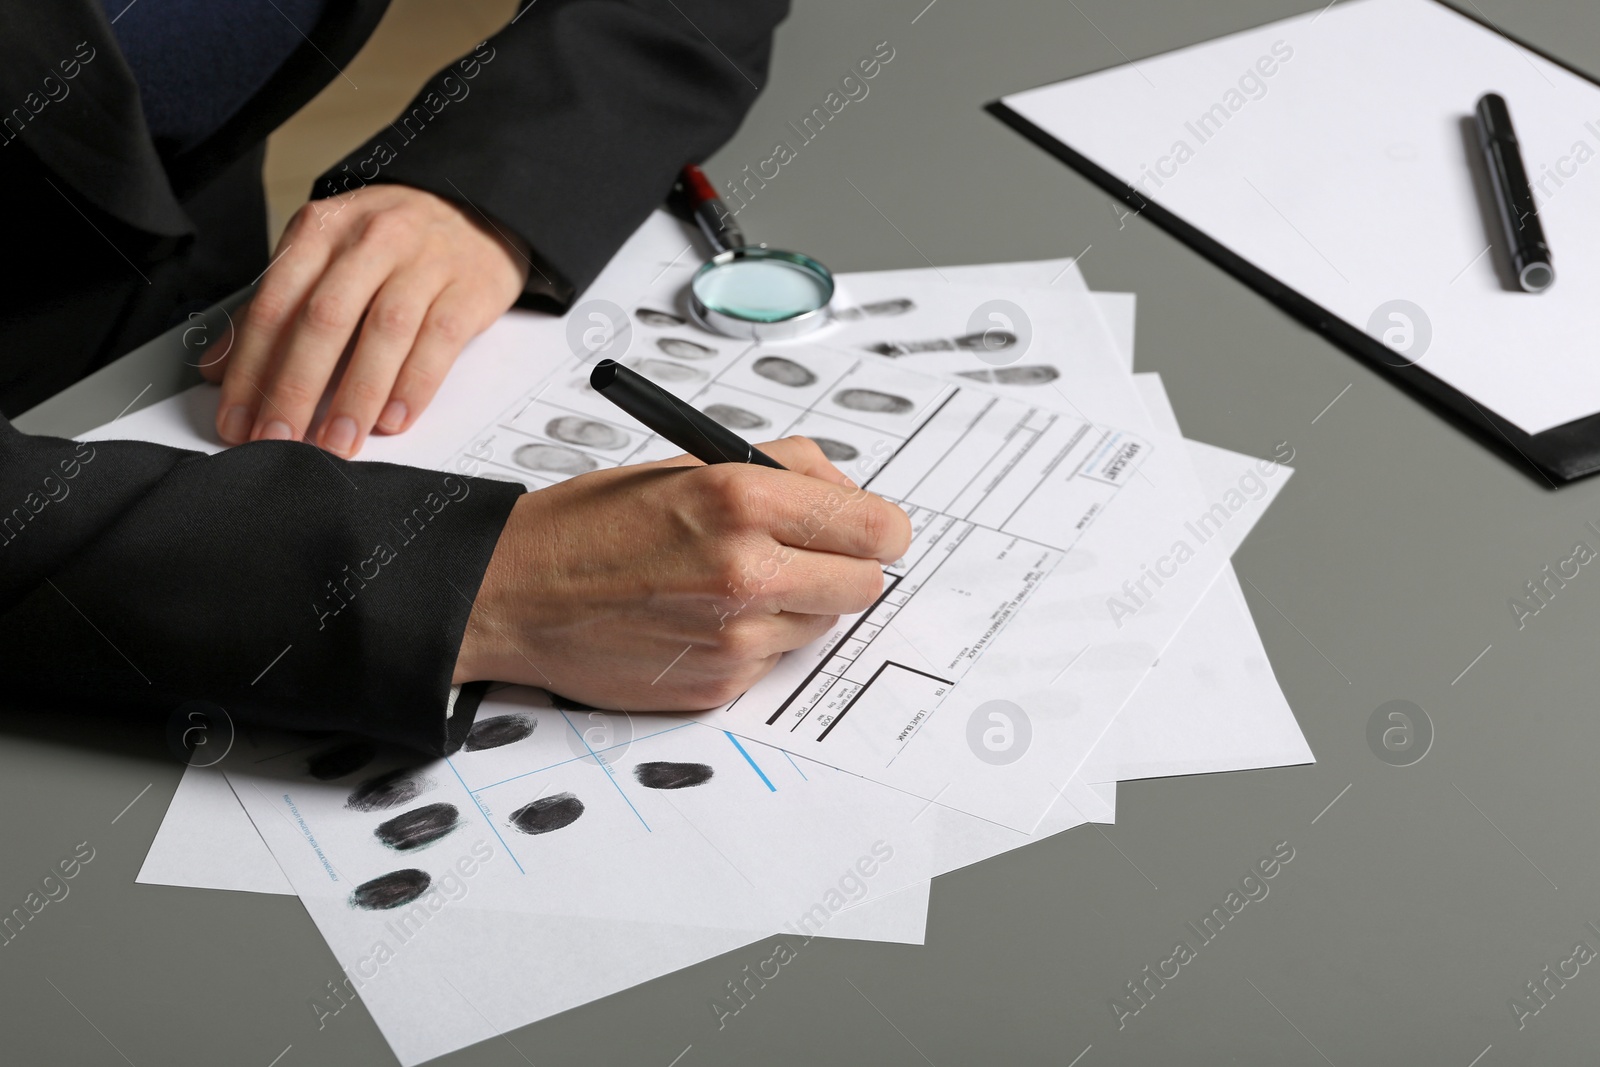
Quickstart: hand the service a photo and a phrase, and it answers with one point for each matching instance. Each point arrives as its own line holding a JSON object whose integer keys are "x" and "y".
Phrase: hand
{"x": 414, "y": 274}
{"x": 674, "y": 586}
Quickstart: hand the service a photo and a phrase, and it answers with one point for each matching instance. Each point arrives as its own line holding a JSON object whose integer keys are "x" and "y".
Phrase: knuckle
{"x": 384, "y": 228}
{"x": 418, "y": 386}
{"x": 363, "y": 393}
{"x": 295, "y": 393}
{"x": 742, "y": 642}
{"x": 730, "y": 570}
{"x": 328, "y": 312}
{"x": 801, "y": 443}
{"x": 316, "y": 225}
{"x": 772, "y": 581}
{"x": 267, "y": 309}
{"x": 419, "y": 381}
{"x": 448, "y": 327}
{"x": 304, "y": 220}
{"x": 393, "y": 318}
{"x": 730, "y": 495}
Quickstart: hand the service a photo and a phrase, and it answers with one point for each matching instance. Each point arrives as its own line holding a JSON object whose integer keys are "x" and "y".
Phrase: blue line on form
{"x": 492, "y": 828}
{"x": 753, "y": 764}
{"x": 604, "y": 766}
{"x": 575, "y": 759}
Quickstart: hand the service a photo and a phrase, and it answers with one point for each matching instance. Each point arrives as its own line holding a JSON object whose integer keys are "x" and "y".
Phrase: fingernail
{"x": 235, "y": 425}
{"x": 276, "y": 430}
{"x": 340, "y": 436}
{"x": 394, "y": 415}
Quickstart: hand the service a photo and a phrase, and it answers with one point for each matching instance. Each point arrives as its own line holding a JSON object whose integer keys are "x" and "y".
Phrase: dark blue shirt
{"x": 198, "y": 61}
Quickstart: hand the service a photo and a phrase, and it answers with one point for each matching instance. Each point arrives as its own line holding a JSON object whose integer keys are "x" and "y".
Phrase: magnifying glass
{"x": 759, "y": 293}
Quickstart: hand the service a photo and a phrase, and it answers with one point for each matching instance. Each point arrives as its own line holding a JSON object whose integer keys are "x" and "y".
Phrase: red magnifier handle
{"x": 709, "y": 211}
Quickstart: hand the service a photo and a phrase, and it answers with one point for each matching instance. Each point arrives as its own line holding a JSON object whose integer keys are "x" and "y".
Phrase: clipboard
{"x": 1559, "y": 453}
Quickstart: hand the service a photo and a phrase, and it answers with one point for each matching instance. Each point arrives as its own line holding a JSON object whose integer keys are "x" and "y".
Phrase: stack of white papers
{"x": 1066, "y": 618}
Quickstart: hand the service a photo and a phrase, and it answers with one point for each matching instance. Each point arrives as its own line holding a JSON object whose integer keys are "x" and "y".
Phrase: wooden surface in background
{"x": 415, "y": 39}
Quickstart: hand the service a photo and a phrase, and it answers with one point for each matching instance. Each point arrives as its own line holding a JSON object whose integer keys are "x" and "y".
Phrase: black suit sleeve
{"x": 575, "y": 120}
{"x": 290, "y": 587}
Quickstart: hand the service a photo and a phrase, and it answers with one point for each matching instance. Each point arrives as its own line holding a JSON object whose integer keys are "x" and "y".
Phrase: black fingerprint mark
{"x": 547, "y": 813}
{"x": 499, "y": 731}
{"x": 736, "y": 418}
{"x": 393, "y": 890}
{"x": 872, "y": 400}
{"x": 1031, "y": 374}
{"x": 988, "y": 341}
{"x": 418, "y": 827}
{"x": 658, "y": 319}
{"x": 678, "y": 348}
{"x": 388, "y": 791}
{"x": 784, "y": 371}
{"x": 896, "y": 349}
{"x": 897, "y": 306}
{"x": 554, "y": 458}
{"x": 667, "y": 371}
{"x": 341, "y": 760}
{"x": 836, "y": 451}
{"x": 577, "y": 430}
{"x": 662, "y": 775}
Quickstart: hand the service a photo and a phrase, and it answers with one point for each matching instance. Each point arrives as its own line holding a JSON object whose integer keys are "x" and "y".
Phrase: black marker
{"x": 691, "y": 430}
{"x": 1519, "y": 216}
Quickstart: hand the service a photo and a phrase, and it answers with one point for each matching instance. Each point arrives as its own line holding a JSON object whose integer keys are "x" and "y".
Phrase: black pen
{"x": 1519, "y": 216}
{"x": 664, "y": 414}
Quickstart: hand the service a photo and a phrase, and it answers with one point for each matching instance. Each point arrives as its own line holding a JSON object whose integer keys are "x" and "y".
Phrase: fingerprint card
{"x": 597, "y": 814}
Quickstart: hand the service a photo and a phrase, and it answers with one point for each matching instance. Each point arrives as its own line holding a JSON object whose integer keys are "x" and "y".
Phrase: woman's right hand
{"x": 675, "y": 586}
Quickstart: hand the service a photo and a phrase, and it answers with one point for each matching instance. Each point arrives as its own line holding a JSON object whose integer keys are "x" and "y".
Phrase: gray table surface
{"x": 1417, "y": 905}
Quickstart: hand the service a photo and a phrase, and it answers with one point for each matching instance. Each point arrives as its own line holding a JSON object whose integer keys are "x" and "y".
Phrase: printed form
{"x": 997, "y": 492}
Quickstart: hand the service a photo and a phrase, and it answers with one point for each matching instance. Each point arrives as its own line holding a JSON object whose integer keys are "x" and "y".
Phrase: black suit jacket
{"x": 284, "y": 584}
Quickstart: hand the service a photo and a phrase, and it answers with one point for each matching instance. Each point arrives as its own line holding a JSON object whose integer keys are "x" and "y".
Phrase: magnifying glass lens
{"x": 762, "y": 290}
{"x": 762, "y": 293}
